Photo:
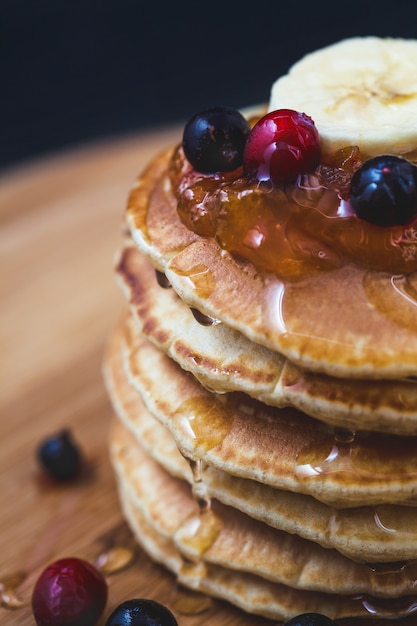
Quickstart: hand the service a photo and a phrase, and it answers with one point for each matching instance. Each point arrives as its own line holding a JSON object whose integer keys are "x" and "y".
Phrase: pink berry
{"x": 69, "y": 591}
{"x": 282, "y": 145}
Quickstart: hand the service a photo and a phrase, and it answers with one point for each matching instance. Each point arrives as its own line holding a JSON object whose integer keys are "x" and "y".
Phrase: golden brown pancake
{"x": 283, "y": 448}
{"x": 223, "y": 537}
{"x": 364, "y": 533}
{"x": 339, "y": 322}
{"x": 223, "y": 359}
{"x": 265, "y": 446}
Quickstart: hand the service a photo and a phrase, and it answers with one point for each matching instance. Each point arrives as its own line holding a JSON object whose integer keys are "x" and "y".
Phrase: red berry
{"x": 282, "y": 145}
{"x": 69, "y": 591}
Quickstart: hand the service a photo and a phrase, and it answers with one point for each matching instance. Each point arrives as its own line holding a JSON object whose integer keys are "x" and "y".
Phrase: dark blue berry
{"x": 310, "y": 619}
{"x": 214, "y": 140}
{"x": 59, "y": 456}
{"x": 383, "y": 191}
{"x": 140, "y": 612}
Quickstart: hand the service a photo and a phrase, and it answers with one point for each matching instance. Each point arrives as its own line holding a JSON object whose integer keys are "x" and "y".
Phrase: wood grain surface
{"x": 60, "y": 226}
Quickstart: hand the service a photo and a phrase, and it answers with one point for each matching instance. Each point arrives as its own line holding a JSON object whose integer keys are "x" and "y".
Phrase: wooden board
{"x": 60, "y": 226}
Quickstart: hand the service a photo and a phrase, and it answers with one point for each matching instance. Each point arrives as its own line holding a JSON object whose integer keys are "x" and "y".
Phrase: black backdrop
{"x": 77, "y": 70}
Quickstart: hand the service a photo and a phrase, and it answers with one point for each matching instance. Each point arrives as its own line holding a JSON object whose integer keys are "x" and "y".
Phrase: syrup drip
{"x": 197, "y": 535}
{"x": 394, "y": 296}
{"x": 115, "y": 560}
{"x": 394, "y": 573}
{"x": 200, "y": 278}
{"x": 200, "y": 531}
{"x": 9, "y": 596}
{"x": 389, "y": 608}
{"x": 199, "y": 487}
{"x": 204, "y": 320}
{"x": 119, "y": 551}
{"x": 359, "y": 455}
{"x": 203, "y": 421}
{"x": 382, "y": 523}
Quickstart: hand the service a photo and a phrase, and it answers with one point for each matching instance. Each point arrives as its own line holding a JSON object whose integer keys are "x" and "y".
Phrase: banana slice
{"x": 360, "y": 91}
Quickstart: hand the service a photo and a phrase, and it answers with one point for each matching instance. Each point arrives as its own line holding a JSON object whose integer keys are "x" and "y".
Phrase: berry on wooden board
{"x": 69, "y": 591}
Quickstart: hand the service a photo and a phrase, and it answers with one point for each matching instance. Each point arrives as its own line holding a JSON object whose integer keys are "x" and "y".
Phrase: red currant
{"x": 69, "y": 591}
{"x": 282, "y": 145}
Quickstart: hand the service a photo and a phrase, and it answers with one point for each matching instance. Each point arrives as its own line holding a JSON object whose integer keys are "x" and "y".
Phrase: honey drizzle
{"x": 348, "y": 453}
{"x": 119, "y": 550}
{"x": 10, "y": 598}
{"x": 200, "y": 530}
{"x": 204, "y": 320}
{"x": 387, "y": 607}
{"x": 302, "y": 228}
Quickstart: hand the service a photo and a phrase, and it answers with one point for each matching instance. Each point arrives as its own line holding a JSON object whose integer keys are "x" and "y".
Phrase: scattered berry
{"x": 69, "y": 591}
{"x": 214, "y": 140}
{"x": 59, "y": 456}
{"x": 139, "y": 612}
{"x": 281, "y": 146}
{"x": 383, "y": 191}
{"x": 310, "y": 619}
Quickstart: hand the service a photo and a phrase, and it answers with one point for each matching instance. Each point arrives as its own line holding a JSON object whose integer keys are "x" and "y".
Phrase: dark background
{"x": 72, "y": 71}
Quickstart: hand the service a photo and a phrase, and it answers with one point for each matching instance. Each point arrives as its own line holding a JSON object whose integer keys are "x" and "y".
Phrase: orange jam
{"x": 294, "y": 231}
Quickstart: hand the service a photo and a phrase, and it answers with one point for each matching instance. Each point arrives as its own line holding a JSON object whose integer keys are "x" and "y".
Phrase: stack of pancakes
{"x": 265, "y": 440}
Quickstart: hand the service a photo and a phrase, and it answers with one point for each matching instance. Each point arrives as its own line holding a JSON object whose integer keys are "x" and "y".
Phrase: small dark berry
{"x": 141, "y": 612}
{"x": 281, "y": 146}
{"x": 214, "y": 140}
{"x": 383, "y": 191}
{"x": 69, "y": 592}
{"x": 59, "y": 456}
{"x": 310, "y": 619}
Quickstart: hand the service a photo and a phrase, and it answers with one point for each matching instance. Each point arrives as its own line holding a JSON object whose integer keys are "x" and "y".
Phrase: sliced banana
{"x": 360, "y": 91}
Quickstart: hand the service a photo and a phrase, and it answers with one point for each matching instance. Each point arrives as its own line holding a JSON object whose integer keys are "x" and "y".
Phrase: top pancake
{"x": 347, "y": 322}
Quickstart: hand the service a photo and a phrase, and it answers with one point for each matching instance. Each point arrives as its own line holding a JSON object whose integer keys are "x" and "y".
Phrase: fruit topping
{"x": 59, "y": 456}
{"x": 69, "y": 591}
{"x": 383, "y": 191}
{"x": 140, "y": 612}
{"x": 296, "y": 231}
{"x": 360, "y": 91}
{"x": 282, "y": 145}
{"x": 214, "y": 139}
{"x": 310, "y": 619}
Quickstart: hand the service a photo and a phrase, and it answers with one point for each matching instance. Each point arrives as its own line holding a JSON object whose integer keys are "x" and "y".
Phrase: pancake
{"x": 221, "y": 537}
{"x": 223, "y": 360}
{"x": 283, "y": 448}
{"x": 266, "y": 403}
{"x": 352, "y": 314}
{"x": 363, "y": 534}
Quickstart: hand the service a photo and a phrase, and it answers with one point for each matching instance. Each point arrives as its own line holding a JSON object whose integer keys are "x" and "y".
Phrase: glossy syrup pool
{"x": 363, "y": 455}
{"x": 10, "y": 595}
{"x": 293, "y": 231}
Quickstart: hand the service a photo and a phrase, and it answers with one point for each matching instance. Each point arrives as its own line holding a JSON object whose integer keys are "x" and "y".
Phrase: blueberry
{"x": 140, "y": 612}
{"x": 59, "y": 456}
{"x": 214, "y": 140}
{"x": 310, "y": 619}
{"x": 383, "y": 191}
